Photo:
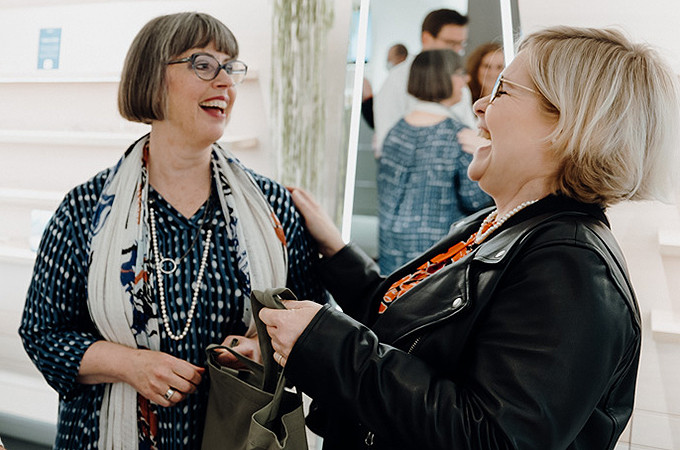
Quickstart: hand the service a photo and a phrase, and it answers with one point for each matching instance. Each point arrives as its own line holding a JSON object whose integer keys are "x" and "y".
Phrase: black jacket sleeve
{"x": 549, "y": 347}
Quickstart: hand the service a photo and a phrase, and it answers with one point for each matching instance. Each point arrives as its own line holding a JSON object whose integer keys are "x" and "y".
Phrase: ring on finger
{"x": 279, "y": 359}
{"x": 169, "y": 393}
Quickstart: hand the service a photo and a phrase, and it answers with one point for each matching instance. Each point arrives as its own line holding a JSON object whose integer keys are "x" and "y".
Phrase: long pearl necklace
{"x": 484, "y": 232}
{"x": 161, "y": 289}
{"x": 169, "y": 265}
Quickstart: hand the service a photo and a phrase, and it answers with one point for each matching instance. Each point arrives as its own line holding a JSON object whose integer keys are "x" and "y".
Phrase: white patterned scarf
{"x": 118, "y": 292}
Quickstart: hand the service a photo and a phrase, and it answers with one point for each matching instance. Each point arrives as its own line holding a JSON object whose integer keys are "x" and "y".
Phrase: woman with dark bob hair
{"x": 150, "y": 261}
{"x": 422, "y": 174}
{"x": 520, "y": 329}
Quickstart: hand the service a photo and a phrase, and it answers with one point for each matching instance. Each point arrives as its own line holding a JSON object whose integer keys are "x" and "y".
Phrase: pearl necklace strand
{"x": 481, "y": 235}
{"x": 161, "y": 289}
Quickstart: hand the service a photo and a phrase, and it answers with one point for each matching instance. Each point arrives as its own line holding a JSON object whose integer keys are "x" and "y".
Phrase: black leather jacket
{"x": 531, "y": 341}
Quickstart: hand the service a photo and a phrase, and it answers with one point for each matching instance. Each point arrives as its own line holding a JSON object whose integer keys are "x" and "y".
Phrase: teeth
{"x": 485, "y": 134}
{"x": 221, "y": 104}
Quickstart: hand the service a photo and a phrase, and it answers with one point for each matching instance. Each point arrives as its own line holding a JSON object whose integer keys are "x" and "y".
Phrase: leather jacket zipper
{"x": 413, "y": 346}
{"x": 368, "y": 440}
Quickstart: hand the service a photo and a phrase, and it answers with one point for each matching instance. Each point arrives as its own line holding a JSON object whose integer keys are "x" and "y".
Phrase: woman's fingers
{"x": 470, "y": 141}
{"x": 318, "y": 222}
{"x": 246, "y": 346}
{"x": 286, "y": 325}
{"x": 164, "y": 379}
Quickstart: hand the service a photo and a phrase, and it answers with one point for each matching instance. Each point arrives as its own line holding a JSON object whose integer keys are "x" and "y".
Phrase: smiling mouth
{"x": 219, "y": 105}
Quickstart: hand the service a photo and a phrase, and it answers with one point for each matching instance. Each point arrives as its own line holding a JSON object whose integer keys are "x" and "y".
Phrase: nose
{"x": 223, "y": 79}
{"x": 479, "y": 107}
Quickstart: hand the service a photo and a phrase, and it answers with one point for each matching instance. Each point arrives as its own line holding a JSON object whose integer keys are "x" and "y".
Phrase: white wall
{"x": 399, "y": 21}
{"x": 95, "y": 38}
{"x": 653, "y": 21}
{"x": 649, "y": 232}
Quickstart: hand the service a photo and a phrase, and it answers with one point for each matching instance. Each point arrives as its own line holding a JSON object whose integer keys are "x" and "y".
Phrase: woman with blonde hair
{"x": 520, "y": 329}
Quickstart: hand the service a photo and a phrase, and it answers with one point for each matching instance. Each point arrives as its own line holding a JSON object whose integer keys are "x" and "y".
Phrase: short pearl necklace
{"x": 159, "y": 277}
{"x": 484, "y": 233}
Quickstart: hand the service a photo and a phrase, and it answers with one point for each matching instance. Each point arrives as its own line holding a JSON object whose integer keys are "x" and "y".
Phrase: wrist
{"x": 329, "y": 249}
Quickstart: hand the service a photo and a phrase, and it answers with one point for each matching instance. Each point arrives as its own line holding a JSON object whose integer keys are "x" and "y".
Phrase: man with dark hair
{"x": 445, "y": 28}
{"x": 441, "y": 29}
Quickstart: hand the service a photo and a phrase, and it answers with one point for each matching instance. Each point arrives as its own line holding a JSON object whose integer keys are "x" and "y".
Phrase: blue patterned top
{"x": 56, "y": 327}
{"x": 423, "y": 188}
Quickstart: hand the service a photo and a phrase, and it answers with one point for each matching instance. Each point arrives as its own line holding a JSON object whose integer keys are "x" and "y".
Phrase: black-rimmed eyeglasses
{"x": 498, "y": 88}
{"x": 206, "y": 67}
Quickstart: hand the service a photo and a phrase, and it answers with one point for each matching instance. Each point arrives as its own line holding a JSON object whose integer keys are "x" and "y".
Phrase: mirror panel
{"x": 391, "y": 22}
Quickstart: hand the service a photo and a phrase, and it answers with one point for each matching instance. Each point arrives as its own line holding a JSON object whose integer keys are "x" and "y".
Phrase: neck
{"x": 425, "y": 114}
{"x": 423, "y": 119}
{"x": 180, "y": 173}
{"x": 537, "y": 189}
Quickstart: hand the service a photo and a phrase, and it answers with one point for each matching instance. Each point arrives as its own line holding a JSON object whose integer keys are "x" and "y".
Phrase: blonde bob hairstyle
{"x": 617, "y": 108}
{"x": 142, "y": 89}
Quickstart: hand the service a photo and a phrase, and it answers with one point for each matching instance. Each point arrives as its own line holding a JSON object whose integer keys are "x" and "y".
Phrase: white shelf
{"x": 16, "y": 255}
{"x": 104, "y": 139}
{"x": 665, "y": 326}
{"x": 54, "y": 77}
{"x": 669, "y": 242}
{"x": 28, "y": 408}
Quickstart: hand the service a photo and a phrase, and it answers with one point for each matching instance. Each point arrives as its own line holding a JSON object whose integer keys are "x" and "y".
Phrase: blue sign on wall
{"x": 48, "y": 48}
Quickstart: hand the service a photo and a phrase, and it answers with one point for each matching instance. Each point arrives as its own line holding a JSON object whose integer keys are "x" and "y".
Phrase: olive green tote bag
{"x": 252, "y": 409}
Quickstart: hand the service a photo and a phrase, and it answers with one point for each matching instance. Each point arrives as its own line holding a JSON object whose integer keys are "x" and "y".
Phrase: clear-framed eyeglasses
{"x": 498, "y": 88}
{"x": 207, "y": 67}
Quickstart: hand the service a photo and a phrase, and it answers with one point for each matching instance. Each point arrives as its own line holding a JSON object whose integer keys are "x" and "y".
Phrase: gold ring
{"x": 169, "y": 393}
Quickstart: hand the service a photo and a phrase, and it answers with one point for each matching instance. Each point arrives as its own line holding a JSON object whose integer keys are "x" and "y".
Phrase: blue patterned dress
{"x": 56, "y": 327}
{"x": 423, "y": 188}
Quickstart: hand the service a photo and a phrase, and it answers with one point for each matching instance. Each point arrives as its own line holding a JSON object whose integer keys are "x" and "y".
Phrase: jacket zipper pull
{"x": 369, "y": 439}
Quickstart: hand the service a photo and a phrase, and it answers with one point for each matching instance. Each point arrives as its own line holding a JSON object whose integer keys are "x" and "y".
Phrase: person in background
{"x": 396, "y": 54}
{"x": 150, "y": 261}
{"x": 441, "y": 29}
{"x": 520, "y": 329}
{"x": 367, "y": 103}
{"x": 423, "y": 185}
{"x": 484, "y": 64}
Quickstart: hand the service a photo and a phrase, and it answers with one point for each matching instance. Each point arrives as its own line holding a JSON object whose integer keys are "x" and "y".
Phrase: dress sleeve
{"x": 303, "y": 255}
{"x": 56, "y": 328}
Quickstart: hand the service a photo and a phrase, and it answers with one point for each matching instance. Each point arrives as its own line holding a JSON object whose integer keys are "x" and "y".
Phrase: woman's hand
{"x": 319, "y": 224}
{"x": 286, "y": 325}
{"x": 157, "y": 376}
{"x": 246, "y": 346}
{"x": 162, "y": 378}
{"x": 470, "y": 141}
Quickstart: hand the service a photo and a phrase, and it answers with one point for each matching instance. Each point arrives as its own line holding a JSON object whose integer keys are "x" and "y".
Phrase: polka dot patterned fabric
{"x": 56, "y": 328}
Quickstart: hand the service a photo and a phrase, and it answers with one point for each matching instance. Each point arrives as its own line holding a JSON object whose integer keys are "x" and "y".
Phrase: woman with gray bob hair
{"x": 150, "y": 261}
{"x": 520, "y": 329}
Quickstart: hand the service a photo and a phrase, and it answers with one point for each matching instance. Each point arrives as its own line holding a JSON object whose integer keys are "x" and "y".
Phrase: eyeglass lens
{"x": 496, "y": 88}
{"x": 207, "y": 68}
